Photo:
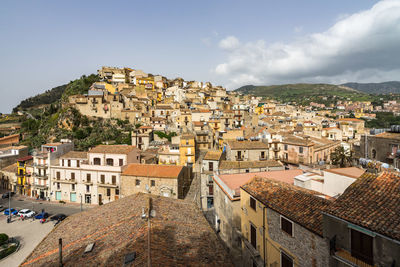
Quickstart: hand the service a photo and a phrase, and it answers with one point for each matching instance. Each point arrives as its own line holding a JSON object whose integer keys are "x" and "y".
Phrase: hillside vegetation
{"x": 303, "y": 93}
{"x": 376, "y": 88}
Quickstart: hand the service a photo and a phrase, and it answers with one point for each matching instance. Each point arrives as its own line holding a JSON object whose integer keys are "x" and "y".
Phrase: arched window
{"x": 96, "y": 161}
{"x": 373, "y": 153}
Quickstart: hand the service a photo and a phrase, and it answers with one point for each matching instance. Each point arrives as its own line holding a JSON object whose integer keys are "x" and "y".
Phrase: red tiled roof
{"x": 25, "y": 158}
{"x": 373, "y": 203}
{"x": 300, "y": 205}
{"x": 112, "y": 149}
{"x": 180, "y": 236}
{"x": 153, "y": 170}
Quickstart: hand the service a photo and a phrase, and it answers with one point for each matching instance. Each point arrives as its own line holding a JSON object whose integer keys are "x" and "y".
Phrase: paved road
{"x": 29, "y": 233}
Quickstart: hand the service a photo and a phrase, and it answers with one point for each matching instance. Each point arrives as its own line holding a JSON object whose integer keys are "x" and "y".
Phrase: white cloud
{"x": 229, "y": 43}
{"x": 359, "y": 47}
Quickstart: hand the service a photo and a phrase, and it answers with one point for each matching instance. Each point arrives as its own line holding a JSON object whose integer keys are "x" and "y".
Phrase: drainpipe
{"x": 264, "y": 234}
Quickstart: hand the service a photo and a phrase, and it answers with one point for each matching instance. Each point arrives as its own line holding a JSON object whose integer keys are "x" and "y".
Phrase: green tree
{"x": 342, "y": 157}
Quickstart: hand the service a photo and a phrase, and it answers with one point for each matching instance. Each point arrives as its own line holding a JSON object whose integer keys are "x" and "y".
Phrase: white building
{"x": 91, "y": 177}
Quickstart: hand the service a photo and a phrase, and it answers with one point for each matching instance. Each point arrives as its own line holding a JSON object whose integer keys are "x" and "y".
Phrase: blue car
{"x": 43, "y": 215}
{"x": 13, "y": 212}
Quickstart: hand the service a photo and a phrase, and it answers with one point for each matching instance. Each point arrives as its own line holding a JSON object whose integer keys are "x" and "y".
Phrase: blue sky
{"x": 44, "y": 44}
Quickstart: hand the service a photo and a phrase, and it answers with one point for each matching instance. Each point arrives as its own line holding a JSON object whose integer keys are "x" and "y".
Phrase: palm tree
{"x": 342, "y": 157}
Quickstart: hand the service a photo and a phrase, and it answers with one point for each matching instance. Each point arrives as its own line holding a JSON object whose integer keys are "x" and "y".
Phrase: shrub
{"x": 3, "y": 238}
{"x": 8, "y": 251}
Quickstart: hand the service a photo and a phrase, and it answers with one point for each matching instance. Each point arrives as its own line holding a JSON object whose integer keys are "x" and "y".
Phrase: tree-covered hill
{"x": 376, "y": 88}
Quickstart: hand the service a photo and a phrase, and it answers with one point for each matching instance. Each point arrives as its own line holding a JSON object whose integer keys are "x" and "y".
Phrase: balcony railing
{"x": 239, "y": 158}
{"x": 263, "y": 158}
{"x": 343, "y": 255}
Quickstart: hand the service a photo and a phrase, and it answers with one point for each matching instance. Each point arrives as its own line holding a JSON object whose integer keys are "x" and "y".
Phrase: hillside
{"x": 303, "y": 93}
{"x": 376, "y": 88}
{"x": 54, "y": 95}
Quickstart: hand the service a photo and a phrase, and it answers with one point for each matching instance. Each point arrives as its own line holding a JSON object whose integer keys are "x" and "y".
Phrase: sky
{"x": 231, "y": 43}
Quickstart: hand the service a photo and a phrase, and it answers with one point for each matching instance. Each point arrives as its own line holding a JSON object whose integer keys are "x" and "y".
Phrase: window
{"x": 96, "y": 161}
{"x": 210, "y": 202}
{"x": 153, "y": 183}
{"x": 117, "y": 191}
{"x": 110, "y": 162}
{"x": 114, "y": 179}
{"x": 88, "y": 178}
{"x": 58, "y": 175}
{"x": 301, "y": 150}
{"x": 102, "y": 178}
{"x": 137, "y": 182}
{"x": 253, "y": 203}
{"x": 58, "y": 185}
{"x": 286, "y": 147}
{"x": 121, "y": 162}
{"x": 72, "y": 176}
{"x": 62, "y": 163}
{"x": 373, "y": 153}
{"x": 286, "y": 261}
{"x": 262, "y": 154}
{"x": 77, "y": 163}
{"x": 211, "y": 166}
{"x": 72, "y": 187}
{"x": 87, "y": 188}
{"x": 286, "y": 226}
{"x": 108, "y": 192}
{"x": 362, "y": 247}
{"x": 69, "y": 163}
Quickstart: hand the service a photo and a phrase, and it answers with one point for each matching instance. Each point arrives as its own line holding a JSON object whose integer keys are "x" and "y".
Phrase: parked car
{"x": 7, "y": 195}
{"x": 13, "y": 211}
{"x": 26, "y": 213}
{"x": 58, "y": 217}
{"x": 43, "y": 215}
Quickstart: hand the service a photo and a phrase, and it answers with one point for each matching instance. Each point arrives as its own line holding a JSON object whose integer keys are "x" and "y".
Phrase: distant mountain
{"x": 376, "y": 88}
{"x": 300, "y": 91}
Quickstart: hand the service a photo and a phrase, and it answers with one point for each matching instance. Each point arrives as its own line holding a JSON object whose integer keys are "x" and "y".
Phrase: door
{"x": 88, "y": 199}
{"x": 58, "y": 195}
{"x": 73, "y": 197}
{"x": 253, "y": 237}
{"x": 100, "y": 200}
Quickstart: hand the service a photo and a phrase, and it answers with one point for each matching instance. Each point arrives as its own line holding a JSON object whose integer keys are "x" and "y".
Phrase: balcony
{"x": 346, "y": 257}
{"x": 40, "y": 186}
{"x": 263, "y": 158}
{"x": 104, "y": 184}
{"x": 276, "y": 149}
{"x": 239, "y": 158}
{"x": 41, "y": 166}
{"x": 65, "y": 181}
{"x": 191, "y": 153}
{"x": 40, "y": 176}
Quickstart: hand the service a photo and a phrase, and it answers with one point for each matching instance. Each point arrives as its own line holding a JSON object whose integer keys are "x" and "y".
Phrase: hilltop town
{"x": 231, "y": 179}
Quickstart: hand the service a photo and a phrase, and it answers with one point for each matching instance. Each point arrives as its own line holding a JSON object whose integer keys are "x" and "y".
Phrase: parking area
{"x": 30, "y": 232}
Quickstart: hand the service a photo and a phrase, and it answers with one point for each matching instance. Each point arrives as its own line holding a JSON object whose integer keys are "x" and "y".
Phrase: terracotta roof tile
{"x": 113, "y": 149}
{"x": 75, "y": 155}
{"x": 300, "y": 205}
{"x": 352, "y": 172}
{"x": 180, "y": 236}
{"x": 213, "y": 155}
{"x": 373, "y": 203}
{"x": 245, "y": 145}
{"x": 153, "y": 170}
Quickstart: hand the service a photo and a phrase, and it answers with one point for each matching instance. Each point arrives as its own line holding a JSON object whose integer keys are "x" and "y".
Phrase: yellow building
{"x": 23, "y": 185}
{"x": 259, "y": 109}
{"x": 187, "y": 150}
{"x": 281, "y": 225}
{"x": 148, "y": 82}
